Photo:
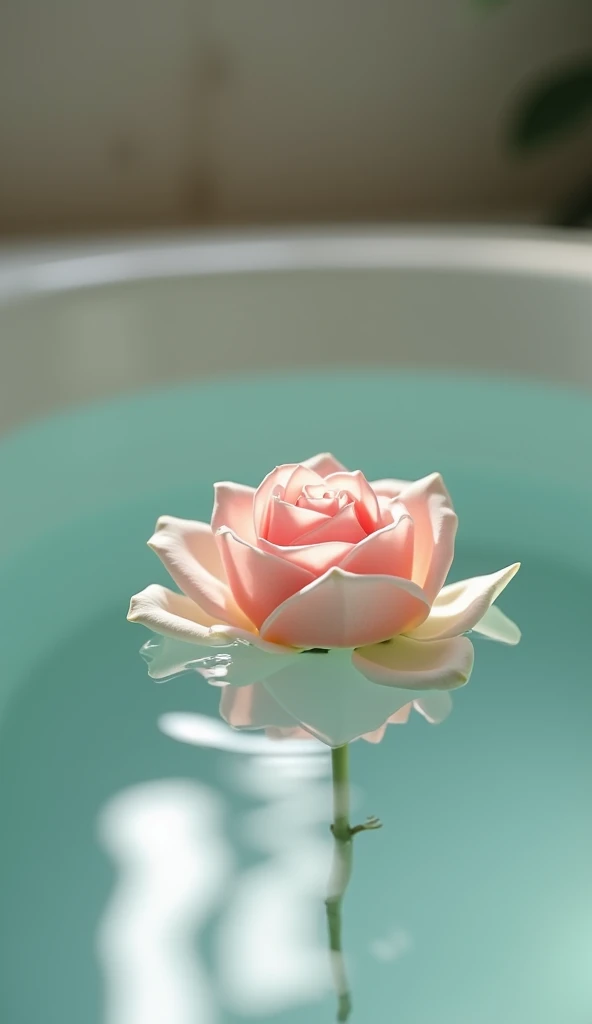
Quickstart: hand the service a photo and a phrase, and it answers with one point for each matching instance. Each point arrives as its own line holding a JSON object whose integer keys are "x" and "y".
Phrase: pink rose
{"x": 318, "y": 557}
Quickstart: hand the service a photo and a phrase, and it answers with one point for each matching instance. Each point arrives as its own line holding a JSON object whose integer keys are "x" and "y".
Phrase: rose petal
{"x": 430, "y": 507}
{"x": 276, "y": 483}
{"x": 259, "y": 581}
{"x": 195, "y": 536}
{"x": 386, "y": 506}
{"x": 342, "y": 609}
{"x": 345, "y": 526}
{"x": 497, "y": 626}
{"x": 389, "y": 488}
{"x": 287, "y": 522}
{"x": 316, "y": 558}
{"x": 434, "y": 706}
{"x": 388, "y": 551}
{"x": 300, "y": 478}
{"x": 173, "y": 615}
{"x": 324, "y": 463}
{"x": 413, "y": 665}
{"x": 273, "y": 483}
{"x": 189, "y": 552}
{"x": 233, "y": 507}
{"x": 460, "y": 606}
{"x": 366, "y": 501}
{"x": 319, "y": 498}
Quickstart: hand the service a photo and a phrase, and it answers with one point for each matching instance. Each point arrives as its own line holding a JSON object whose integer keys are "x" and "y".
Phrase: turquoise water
{"x": 144, "y": 880}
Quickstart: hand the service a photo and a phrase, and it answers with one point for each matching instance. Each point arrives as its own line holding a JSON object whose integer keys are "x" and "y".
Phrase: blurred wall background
{"x": 120, "y": 114}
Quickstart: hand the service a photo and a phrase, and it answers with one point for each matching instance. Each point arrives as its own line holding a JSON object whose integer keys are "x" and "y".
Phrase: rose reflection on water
{"x": 286, "y": 711}
{"x": 286, "y": 719}
{"x": 298, "y": 697}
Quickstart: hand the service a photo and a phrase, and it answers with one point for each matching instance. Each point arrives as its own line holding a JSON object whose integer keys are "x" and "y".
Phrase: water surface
{"x": 144, "y": 880}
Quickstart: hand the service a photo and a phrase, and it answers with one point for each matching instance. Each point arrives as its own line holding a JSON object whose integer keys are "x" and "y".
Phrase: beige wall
{"x": 128, "y": 112}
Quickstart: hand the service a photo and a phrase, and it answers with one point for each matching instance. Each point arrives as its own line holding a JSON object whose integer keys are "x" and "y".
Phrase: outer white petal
{"x": 173, "y": 615}
{"x": 182, "y": 628}
{"x": 460, "y": 606}
{"x": 497, "y": 626}
{"x": 413, "y": 665}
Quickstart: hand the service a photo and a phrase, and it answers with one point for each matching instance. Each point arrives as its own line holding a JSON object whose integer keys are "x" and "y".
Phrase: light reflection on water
{"x": 176, "y": 875}
{"x": 172, "y": 861}
{"x": 270, "y": 948}
{"x": 203, "y": 731}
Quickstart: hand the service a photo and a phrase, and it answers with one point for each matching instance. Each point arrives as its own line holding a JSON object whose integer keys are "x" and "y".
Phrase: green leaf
{"x": 554, "y": 107}
{"x": 576, "y": 211}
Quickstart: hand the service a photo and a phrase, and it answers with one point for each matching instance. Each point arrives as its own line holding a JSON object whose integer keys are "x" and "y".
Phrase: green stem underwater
{"x": 340, "y": 765}
{"x": 340, "y": 875}
{"x": 341, "y": 871}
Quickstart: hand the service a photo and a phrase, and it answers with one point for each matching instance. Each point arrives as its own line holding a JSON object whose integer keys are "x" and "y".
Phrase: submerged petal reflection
{"x": 167, "y": 658}
{"x": 294, "y": 697}
{"x": 237, "y": 663}
{"x": 331, "y": 702}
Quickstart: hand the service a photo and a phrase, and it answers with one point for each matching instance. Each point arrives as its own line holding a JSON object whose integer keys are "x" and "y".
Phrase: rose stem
{"x": 340, "y": 766}
{"x": 340, "y": 876}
